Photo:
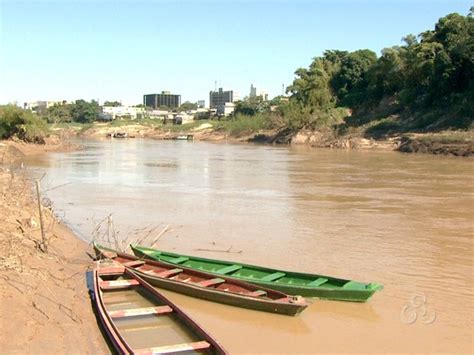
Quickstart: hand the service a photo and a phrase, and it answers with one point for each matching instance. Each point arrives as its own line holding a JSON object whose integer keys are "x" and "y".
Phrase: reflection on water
{"x": 402, "y": 220}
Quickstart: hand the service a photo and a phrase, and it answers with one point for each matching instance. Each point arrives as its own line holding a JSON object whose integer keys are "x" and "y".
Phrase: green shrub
{"x": 25, "y": 125}
{"x": 243, "y": 124}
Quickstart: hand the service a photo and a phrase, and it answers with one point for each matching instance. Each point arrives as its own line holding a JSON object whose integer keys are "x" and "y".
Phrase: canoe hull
{"x": 273, "y": 301}
{"x": 321, "y": 293}
{"x": 223, "y": 297}
{"x": 123, "y": 280}
{"x": 335, "y": 289}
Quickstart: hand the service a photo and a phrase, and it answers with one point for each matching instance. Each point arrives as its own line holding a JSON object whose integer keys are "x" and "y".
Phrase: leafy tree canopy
{"x": 186, "y": 106}
{"x": 112, "y": 103}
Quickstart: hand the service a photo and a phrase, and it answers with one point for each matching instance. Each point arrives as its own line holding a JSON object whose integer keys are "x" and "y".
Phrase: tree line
{"x": 433, "y": 71}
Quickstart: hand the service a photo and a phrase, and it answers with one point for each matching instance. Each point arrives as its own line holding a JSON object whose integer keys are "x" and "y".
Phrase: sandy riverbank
{"x": 45, "y": 305}
{"x": 457, "y": 143}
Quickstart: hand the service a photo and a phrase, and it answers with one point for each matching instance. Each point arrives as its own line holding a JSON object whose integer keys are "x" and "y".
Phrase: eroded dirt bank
{"x": 44, "y": 301}
{"x": 446, "y": 143}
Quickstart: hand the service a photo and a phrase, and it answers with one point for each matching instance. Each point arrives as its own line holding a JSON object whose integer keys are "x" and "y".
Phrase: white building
{"x": 120, "y": 112}
{"x": 264, "y": 95}
{"x": 38, "y": 105}
{"x": 225, "y": 109}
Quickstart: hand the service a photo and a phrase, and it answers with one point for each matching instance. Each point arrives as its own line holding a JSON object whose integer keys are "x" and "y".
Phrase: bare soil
{"x": 44, "y": 302}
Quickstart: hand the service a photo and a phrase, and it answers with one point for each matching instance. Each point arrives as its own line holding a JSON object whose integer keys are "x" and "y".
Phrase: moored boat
{"x": 140, "y": 320}
{"x": 289, "y": 282}
{"x": 206, "y": 286}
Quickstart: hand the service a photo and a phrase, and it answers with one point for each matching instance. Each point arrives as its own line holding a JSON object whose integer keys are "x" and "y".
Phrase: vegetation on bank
{"x": 25, "y": 125}
{"x": 424, "y": 85}
{"x": 80, "y": 111}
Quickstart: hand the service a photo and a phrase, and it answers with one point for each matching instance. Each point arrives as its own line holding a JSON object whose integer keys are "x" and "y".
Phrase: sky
{"x": 123, "y": 49}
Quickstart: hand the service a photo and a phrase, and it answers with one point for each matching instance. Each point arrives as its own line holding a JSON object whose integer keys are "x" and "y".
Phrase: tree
{"x": 85, "y": 112}
{"x": 251, "y": 105}
{"x": 186, "y": 106}
{"x": 23, "y": 124}
{"x": 312, "y": 86}
{"x": 350, "y": 80}
{"x": 59, "y": 113}
{"x": 385, "y": 78}
{"x": 112, "y": 103}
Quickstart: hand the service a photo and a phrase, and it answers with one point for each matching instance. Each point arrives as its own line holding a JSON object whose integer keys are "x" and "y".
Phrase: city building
{"x": 253, "y": 91}
{"x": 41, "y": 105}
{"x": 220, "y": 97}
{"x": 263, "y": 95}
{"x": 226, "y": 109}
{"x": 201, "y": 103}
{"x": 164, "y": 99}
{"x": 121, "y": 112}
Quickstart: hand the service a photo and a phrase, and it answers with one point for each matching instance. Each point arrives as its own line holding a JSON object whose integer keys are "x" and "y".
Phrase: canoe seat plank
{"x": 179, "y": 260}
{"x": 273, "y": 277}
{"x": 112, "y": 270}
{"x": 140, "y": 311}
{"x": 352, "y": 284}
{"x": 168, "y": 273}
{"x": 161, "y": 273}
{"x": 211, "y": 282}
{"x": 134, "y": 263}
{"x": 167, "y": 349}
{"x": 229, "y": 269}
{"x": 257, "y": 293}
{"x": 318, "y": 282}
{"x": 117, "y": 284}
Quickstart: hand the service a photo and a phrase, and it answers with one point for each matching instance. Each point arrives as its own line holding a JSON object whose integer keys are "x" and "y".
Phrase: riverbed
{"x": 401, "y": 220}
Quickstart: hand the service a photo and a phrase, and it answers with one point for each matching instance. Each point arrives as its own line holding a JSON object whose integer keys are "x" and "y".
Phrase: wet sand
{"x": 44, "y": 302}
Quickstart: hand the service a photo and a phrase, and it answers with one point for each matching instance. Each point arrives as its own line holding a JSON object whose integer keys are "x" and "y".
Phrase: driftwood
{"x": 220, "y": 250}
{"x": 43, "y": 246}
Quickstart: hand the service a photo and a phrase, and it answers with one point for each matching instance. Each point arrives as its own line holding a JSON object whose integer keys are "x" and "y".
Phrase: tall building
{"x": 164, "y": 99}
{"x": 220, "y": 97}
{"x": 201, "y": 103}
{"x": 253, "y": 91}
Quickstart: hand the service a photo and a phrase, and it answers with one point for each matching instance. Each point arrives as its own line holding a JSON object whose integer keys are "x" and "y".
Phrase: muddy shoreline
{"x": 457, "y": 144}
{"x": 43, "y": 295}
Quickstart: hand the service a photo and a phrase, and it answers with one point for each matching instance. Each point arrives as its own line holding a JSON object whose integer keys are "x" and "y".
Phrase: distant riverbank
{"x": 457, "y": 143}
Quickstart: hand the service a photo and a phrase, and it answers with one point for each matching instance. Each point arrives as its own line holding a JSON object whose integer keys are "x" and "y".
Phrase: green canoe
{"x": 293, "y": 283}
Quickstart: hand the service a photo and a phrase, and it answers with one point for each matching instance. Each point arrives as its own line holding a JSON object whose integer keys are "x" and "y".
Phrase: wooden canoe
{"x": 139, "y": 320}
{"x": 292, "y": 283}
{"x": 206, "y": 286}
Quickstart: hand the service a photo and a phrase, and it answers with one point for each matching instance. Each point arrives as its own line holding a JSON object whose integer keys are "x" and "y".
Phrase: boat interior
{"x": 146, "y": 322}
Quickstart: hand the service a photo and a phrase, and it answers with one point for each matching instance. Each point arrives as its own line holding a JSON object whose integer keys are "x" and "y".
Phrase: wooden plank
{"x": 211, "y": 282}
{"x": 111, "y": 270}
{"x": 273, "y": 277}
{"x": 318, "y": 282}
{"x": 162, "y": 273}
{"x": 168, "y": 273}
{"x": 117, "y": 284}
{"x": 257, "y": 293}
{"x": 133, "y": 263}
{"x": 179, "y": 260}
{"x": 140, "y": 311}
{"x": 229, "y": 269}
{"x": 167, "y": 349}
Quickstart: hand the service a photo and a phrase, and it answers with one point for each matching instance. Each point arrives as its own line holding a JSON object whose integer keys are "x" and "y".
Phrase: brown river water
{"x": 405, "y": 221}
